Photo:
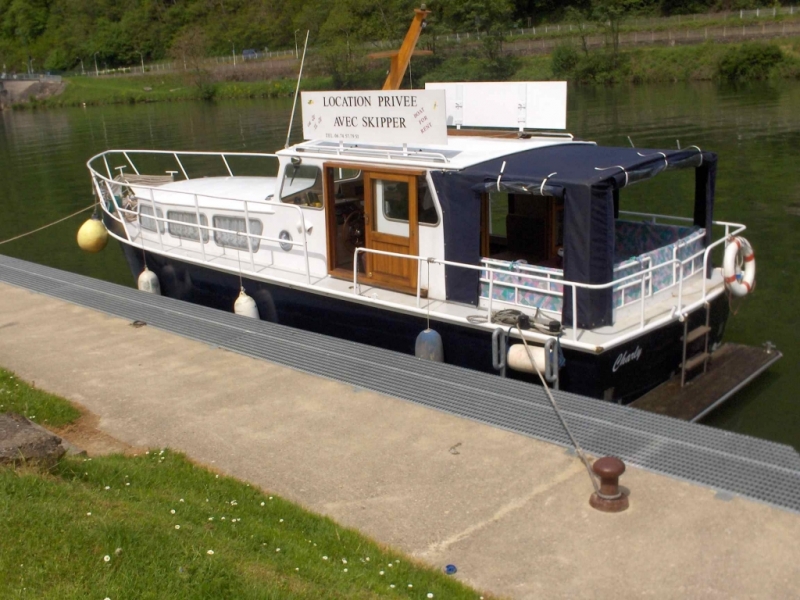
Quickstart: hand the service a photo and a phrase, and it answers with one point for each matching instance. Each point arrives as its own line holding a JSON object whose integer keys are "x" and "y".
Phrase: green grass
{"x": 657, "y": 64}
{"x": 43, "y": 408}
{"x": 638, "y": 65}
{"x": 157, "y": 526}
{"x": 173, "y": 87}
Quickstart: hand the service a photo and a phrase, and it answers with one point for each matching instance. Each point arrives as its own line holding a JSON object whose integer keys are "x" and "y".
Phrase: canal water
{"x": 754, "y": 129}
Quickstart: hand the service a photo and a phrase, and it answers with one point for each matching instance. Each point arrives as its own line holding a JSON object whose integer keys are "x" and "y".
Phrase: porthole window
{"x": 235, "y": 232}
{"x": 285, "y": 235}
{"x": 189, "y": 230}
{"x": 146, "y": 219}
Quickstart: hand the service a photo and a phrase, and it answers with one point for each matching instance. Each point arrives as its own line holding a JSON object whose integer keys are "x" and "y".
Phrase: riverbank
{"x": 709, "y": 61}
{"x": 778, "y": 59}
{"x": 95, "y": 91}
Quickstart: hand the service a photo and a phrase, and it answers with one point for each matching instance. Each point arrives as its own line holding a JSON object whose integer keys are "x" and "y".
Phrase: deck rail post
{"x": 155, "y": 218}
{"x": 130, "y": 162}
{"x": 249, "y": 236}
{"x": 200, "y": 228}
{"x": 180, "y": 164}
{"x": 227, "y": 166}
{"x": 356, "y": 284}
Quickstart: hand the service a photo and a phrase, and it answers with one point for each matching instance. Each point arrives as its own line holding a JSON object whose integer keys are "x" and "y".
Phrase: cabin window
{"x": 189, "y": 230}
{"x": 426, "y": 209}
{"x": 523, "y": 227}
{"x": 302, "y": 185}
{"x": 235, "y": 234}
{"x": 395, "y": 202}
{"x": 344, "y": 174}
{"x": 146, "y": 219}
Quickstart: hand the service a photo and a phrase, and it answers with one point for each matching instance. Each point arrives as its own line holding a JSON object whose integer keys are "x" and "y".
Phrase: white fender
{"x": 519, "y": 361}
{"x": 245, "y": 306}
{"x": 737, "y": 252}
{"x": 148, "y": 282}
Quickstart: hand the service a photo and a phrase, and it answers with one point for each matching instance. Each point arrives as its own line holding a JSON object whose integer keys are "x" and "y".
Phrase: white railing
{"x": 679, "y": 309}
{"x": 105, "y": 188}
{"x": 550, "y": 277}
{"x": 223, "y": 156}
{"x": 376, "y": 154}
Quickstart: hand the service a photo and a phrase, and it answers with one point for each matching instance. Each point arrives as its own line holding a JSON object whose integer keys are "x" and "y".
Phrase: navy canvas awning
{"x": 588, "y": 178}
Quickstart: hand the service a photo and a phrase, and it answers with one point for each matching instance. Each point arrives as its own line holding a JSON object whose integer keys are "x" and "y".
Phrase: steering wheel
{"x": 353, "y": 230}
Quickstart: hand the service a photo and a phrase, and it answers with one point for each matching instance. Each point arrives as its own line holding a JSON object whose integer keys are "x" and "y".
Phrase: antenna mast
{"x": 297, "y": 91}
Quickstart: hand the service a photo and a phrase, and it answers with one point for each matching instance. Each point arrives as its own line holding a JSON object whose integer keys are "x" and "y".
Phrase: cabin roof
{"x": 577, "y": 164}
{"x": 460, "y": 152}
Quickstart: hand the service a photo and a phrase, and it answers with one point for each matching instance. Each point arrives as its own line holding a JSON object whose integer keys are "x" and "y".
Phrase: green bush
{"x": 564, "y": 59}
{"x": 749, "y": 61}
{"x": 602, "y": 67}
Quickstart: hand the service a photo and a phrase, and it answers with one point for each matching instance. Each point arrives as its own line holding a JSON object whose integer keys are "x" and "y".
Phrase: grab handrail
{"x": 574, "y": 285}
{"x": 176, "y": 155}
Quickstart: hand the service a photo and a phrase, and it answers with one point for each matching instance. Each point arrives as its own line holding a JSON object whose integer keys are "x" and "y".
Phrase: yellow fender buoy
{"x": 92, "y": 236}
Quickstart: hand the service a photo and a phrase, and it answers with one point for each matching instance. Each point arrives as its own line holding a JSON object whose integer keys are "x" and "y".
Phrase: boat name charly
{"x": 625, "y": 358}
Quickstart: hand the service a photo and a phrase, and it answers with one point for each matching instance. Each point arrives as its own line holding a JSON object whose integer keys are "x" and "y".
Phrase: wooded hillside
{"x": 57, "y": 34}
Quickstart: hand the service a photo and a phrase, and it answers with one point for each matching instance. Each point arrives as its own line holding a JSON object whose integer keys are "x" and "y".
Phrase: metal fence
{"x": 630, "y": 23}
{"x": 669, "y": 37}
{"x": 30, "y": 77}
{"x": 659, "y": 33}
{"x": 165, "y": 67}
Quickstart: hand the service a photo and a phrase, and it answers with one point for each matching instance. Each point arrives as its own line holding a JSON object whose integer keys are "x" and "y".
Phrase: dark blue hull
{"x": 621, "y": 374}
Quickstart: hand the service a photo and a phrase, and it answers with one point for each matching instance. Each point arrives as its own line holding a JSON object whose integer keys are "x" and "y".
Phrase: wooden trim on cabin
{"x": 395, "y": 272}
{"x": 374, "y": 168}
{"x": 506, "y": 134}
{"x": 491, "y": 133}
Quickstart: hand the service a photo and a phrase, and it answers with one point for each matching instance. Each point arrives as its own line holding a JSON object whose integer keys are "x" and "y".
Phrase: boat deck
{"x": 765, "y": 471}
{"x": 730, "y": 368}
{"x": 629, "y": 319}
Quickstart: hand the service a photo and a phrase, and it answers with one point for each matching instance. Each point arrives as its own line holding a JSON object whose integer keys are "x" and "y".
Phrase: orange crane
{"x": 400, "y": 58}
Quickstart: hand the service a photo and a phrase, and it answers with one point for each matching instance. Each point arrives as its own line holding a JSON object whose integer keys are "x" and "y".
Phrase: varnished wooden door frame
{"x": 370, "y": 172}
{"x": 397, "y": 282}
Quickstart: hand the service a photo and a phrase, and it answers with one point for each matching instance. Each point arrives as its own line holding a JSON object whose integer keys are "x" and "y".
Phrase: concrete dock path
{"x": 511, "y": 512}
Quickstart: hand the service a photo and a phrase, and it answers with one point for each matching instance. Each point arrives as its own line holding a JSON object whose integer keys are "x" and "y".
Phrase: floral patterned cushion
{"x": 638, "y": 246}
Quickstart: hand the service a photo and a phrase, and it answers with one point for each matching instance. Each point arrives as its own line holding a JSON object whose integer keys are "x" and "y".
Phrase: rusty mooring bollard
{"x": 609, "y": 498}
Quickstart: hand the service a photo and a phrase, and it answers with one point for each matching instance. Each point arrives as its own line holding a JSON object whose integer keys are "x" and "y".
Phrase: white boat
{"x": 456, "y": 208}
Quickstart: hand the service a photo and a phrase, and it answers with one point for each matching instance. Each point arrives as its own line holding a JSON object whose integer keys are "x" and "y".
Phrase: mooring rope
{"x": 575, "y": 444}
{"x": 22, "y": 235}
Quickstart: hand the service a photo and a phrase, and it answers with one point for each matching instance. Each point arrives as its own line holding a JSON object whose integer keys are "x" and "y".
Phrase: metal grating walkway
{"x": 731, "y": 462}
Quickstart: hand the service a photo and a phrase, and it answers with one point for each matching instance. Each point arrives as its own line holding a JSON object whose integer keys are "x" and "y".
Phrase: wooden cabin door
{"x": 390, "y": 207}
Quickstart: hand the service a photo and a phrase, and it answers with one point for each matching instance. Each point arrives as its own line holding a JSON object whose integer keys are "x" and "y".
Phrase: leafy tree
{"x": 189, "y": 48}
{"x": 581, "y": 17}
{"x": 611, "y": 14}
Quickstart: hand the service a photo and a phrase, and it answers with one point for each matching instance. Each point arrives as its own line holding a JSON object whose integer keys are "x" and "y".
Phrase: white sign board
{"x": 392, "y": 116}
{"x": 520, "y": 105}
